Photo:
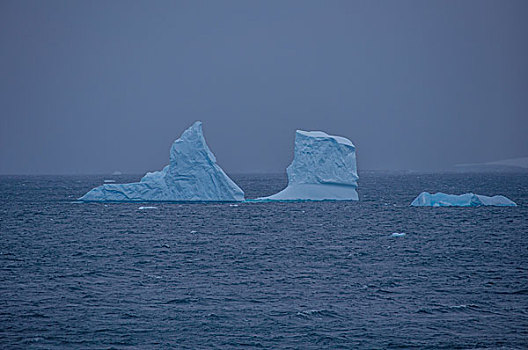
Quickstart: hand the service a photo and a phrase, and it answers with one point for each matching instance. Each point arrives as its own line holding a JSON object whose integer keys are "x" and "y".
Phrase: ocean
{"x": 305, "y": 275}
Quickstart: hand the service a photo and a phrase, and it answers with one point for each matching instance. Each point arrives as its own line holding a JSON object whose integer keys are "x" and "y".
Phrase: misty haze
{"x": 93, "y": 87}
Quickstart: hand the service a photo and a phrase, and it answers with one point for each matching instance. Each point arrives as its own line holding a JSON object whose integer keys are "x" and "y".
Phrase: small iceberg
{"x": 398, "y": 234}
{"x": 108, "y": 181}
{"x": 426, "y": 199}
{"x": 192, "y": 175}
{"x": 323, "y": 168}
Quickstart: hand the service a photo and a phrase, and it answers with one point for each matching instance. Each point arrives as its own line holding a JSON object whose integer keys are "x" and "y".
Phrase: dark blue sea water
{"x": 264, "y": 275}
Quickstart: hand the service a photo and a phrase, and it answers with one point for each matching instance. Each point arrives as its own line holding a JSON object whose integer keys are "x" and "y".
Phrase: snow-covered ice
{"x": 192, "y": 175}
{"x": 426, "y": 199}
{"x": 323, "y": 168}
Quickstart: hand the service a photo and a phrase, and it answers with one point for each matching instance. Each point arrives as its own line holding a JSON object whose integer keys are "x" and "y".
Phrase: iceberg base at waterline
{"x": 314, "y": 192}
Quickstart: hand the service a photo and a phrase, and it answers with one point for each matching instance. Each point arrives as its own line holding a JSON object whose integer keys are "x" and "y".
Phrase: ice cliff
{"x": 192, "y": 175}
{"x": 323, "y": 168}
{"x": 426, "y": 199}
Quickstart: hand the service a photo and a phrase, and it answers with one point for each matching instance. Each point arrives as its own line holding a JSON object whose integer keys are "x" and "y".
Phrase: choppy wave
{"x": 305, "y": 275}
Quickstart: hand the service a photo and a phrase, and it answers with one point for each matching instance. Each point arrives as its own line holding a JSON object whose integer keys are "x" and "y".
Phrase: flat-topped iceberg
{"x": 192, "y": 175}
{"x": 426, "y": 199}
{"x": 323, "y": 168}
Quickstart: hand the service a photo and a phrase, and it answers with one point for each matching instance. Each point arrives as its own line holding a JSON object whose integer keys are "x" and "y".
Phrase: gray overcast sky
{"x": 98, "y": 86}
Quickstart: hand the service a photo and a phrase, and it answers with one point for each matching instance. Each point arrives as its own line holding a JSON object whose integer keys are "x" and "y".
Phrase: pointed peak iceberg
{"x": 194, "y": 132}
{"x": 191, "y": 144}
{"x": 192, "y": 175}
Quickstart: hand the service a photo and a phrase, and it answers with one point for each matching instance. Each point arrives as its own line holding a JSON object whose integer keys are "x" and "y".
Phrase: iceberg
{"x": 192, "y": 175}
{"x": 426, "y": 199}
{"x": 398, "y": 234}
{"x": 323, "y": 168}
